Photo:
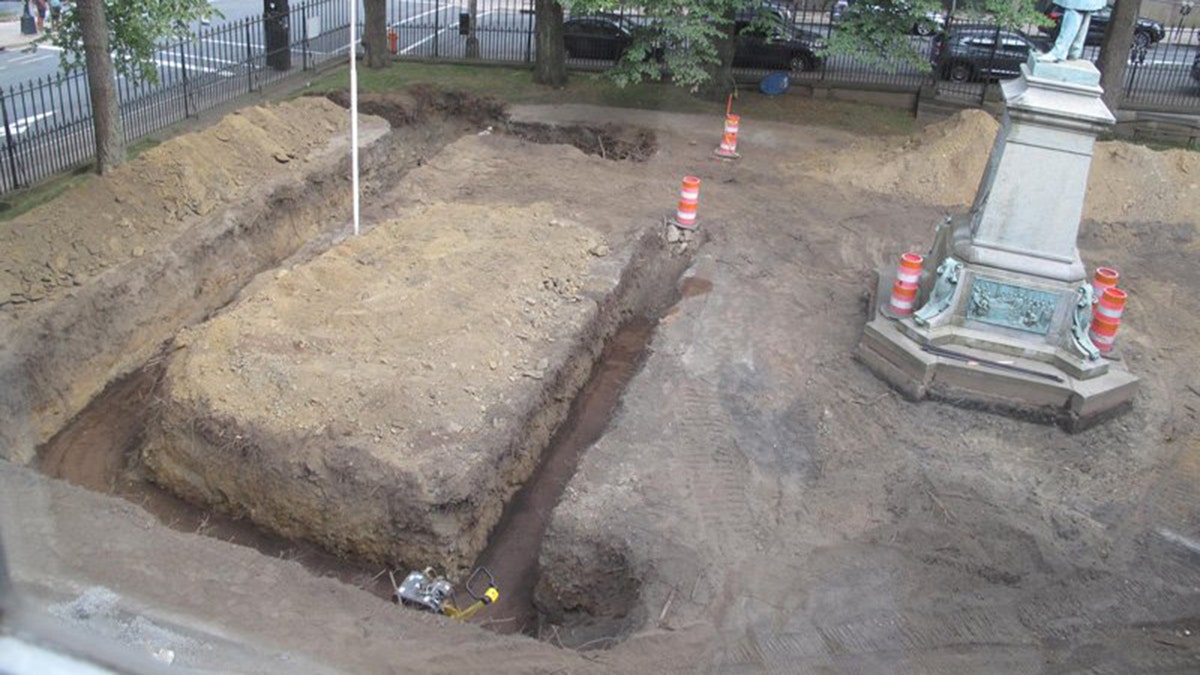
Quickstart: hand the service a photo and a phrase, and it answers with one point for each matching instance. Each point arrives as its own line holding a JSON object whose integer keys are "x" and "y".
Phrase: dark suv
{"x": 1145, "y": 32}
{"x": 608, "y": 36}
{"x": 969, "y": 53}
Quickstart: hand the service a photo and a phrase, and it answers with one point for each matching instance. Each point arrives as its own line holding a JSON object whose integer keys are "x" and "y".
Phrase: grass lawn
{"x": 515, "y": 85}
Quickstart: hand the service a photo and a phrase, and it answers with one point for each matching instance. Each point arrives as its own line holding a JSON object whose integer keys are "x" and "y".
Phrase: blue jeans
{"x": 1071, "y": 34}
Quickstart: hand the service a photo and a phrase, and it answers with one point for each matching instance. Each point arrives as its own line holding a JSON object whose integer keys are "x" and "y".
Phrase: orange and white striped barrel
{"x": 1112, "y": 304}
{"x": 728, "y": 147}
{"x": 689, "y": 198}
{"x": 1105, "y": 277}
{"x": 910, "y": 268}
{"x": 1106, "y": 318}
{"x": 904, "y": 298}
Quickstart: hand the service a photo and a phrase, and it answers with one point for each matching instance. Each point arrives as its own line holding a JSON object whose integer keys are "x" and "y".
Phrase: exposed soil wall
{"x": 386, "y": 398}
{"x": 196, "y": 234}
{"x": 590, "y": 584}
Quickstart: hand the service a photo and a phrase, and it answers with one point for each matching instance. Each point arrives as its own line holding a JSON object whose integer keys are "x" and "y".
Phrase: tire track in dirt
{"x": 1163, "y": 518}
{"x": 920, "y": 637}
{"x": 714, "y": 467}
{"x": 916, "y": 632}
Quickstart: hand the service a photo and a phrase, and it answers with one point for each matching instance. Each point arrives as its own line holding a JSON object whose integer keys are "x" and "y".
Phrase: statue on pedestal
{"x": 1072, "y": 30}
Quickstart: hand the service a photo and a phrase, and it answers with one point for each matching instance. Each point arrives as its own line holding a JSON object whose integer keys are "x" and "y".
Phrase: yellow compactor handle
{"x": 488, "y": 597}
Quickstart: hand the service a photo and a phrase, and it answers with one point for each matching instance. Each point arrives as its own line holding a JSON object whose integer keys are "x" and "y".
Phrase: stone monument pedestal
{"x": 1005, "y": 300}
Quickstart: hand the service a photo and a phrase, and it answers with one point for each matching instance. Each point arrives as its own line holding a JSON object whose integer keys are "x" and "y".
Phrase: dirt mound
{"x": 943, "y": 163}
{"x": 1134, "y": 183}
{"x": 399, "y": 376}
{"x": 55, "y": 247}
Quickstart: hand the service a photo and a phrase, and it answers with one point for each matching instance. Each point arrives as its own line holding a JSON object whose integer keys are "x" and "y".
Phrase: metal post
{"x": 437, "y": 23}
{"x": 304, "y": 41}
{"x": 529, "y": 35}
{"x": 991, "y": 65}
{"x": 187, "y": 112}
{"x": 8, "y": 141}
{"x": 249, "y": 60}
{"x": 354, "y": 111}
{"x": 1136, "y": 58}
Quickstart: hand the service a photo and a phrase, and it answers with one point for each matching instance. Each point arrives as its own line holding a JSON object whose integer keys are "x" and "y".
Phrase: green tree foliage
{"x": 682, "y": 38}
{"x": 136, "y": 29}
{"x": 877, "y": 32}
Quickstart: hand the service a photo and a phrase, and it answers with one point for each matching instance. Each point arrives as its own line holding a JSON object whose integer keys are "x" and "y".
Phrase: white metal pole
{"x": 354, "y": 107}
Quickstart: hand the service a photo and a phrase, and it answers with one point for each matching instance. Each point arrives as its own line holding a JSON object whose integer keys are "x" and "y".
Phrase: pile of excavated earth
{"x": 758, "y": 502}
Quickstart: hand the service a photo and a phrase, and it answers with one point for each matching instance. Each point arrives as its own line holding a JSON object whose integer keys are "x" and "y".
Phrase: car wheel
{"x": 800, "y": 63}
{"x": 1141, "y": 40}
{"x": 959, "y": 71}
{"x": 923, "y": 29}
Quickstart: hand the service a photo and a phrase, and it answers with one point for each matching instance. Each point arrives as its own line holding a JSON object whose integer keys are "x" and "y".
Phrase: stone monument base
{"x": 960, "y": 360}
{"x": 1005, "y": 304}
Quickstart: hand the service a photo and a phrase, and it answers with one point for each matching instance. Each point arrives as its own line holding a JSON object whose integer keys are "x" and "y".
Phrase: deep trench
{"x": 99, "y": 449}
{"x": 513, "y": 548}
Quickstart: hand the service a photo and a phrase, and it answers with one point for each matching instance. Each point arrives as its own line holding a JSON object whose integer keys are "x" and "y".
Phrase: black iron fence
{"x": 1165, "y": 75}
{"x": 48, "y": 128}
{"x": 48, "y": 121}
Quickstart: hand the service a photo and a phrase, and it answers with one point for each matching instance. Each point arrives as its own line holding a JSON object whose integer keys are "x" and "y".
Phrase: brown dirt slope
{"x": 942, "y": 164}
{"x": 375, "y": 395}
{"x": 114, "y": 218}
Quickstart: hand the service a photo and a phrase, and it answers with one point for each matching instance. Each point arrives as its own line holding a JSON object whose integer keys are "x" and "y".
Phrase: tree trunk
{"x": 1114, "y": 52}
{"x": 720, "y": 75}
{"x": 375, "y": 33}
{"x": 472, "y": 38}
{"x": 550, "y": 64}
{"x": 102, "y": 83}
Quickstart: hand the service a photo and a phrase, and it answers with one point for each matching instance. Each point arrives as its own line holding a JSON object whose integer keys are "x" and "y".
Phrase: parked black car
{"x": 607, "y": 37}
{"x": 601, "y": 36}
{"x": 778, "y": 14}
{"x": 931, "y": 23}
{"x": 979, "y": 52}
{"x": 1145, "y": 31}
{"x": 786, "y": 48}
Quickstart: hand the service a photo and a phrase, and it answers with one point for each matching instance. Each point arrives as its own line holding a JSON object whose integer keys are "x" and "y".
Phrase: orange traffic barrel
{"x": 689, "y": 199}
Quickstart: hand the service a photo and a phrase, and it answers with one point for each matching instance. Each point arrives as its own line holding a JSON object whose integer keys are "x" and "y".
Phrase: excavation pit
{"x": 759, "y": 502}
{"x": 422, "y": 103}
{"x": 388, "y": 397}
{"x": 616, "y": 142}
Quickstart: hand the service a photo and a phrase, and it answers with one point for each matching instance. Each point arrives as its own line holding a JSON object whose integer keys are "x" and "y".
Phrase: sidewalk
{"x": 11, "y": 38}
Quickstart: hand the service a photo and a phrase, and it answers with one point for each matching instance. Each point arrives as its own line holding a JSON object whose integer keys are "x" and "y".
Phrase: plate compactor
{"x": 426, "y": 591}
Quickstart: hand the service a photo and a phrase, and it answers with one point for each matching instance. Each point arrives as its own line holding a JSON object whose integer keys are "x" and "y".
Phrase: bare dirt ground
{"x": 760, "y": 502}
{"x": 763, "y": 490}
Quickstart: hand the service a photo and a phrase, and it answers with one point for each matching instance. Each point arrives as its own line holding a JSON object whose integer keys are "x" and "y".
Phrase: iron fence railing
{"x": 48, "y": 121}
{"x": 48, "y": 128}
{"x": 1164, "y": 75}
